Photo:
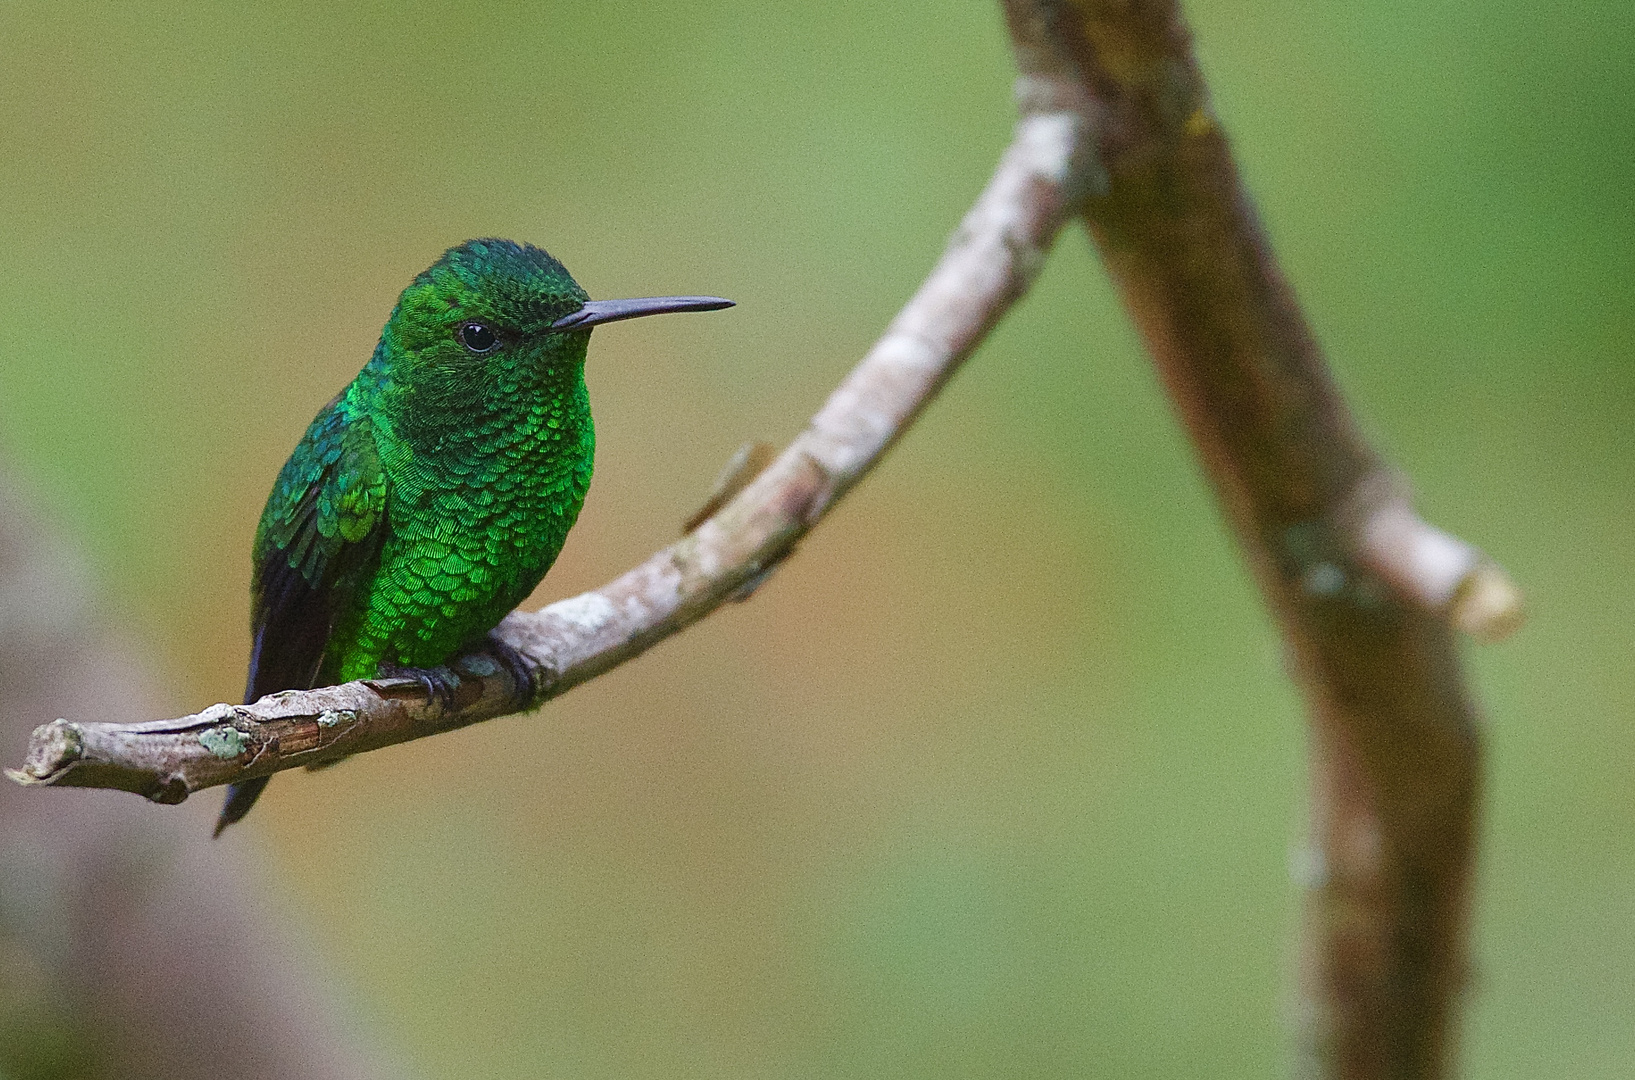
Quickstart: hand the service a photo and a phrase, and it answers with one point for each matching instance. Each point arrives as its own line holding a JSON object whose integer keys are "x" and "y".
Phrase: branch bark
{"x": 1117, "y": 124}
{"x": 989, "y": 263}
{"x": 1364, "y": 591}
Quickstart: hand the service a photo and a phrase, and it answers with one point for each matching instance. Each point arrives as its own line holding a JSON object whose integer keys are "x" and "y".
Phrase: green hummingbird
{"x": 432, "y": 494}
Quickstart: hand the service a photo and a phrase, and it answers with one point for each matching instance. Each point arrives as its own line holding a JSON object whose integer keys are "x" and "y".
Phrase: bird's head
{"x": 493, "y": 308}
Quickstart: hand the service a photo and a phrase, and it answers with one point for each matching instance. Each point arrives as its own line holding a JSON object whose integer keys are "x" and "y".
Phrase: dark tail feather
{"x": 293, "y": 624}
{"x": 240, "y": 797}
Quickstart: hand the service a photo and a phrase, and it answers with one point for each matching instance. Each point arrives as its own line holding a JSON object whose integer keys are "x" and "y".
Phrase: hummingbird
{"x": 430, "y": 496}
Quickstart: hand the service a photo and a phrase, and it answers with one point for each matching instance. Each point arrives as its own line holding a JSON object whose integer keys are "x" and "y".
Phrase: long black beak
{"x": 597, "y": 312}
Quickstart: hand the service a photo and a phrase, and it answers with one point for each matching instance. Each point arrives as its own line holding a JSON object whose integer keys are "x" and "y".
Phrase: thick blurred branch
{"x": 131, "y": 946}
{"x": 1365, "y": 591}
{"x": 989, "y": 263}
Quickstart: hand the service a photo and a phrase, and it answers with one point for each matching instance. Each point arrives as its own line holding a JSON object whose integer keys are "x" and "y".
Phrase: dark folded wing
{"x": 321, "y": 530}
{"x": 322, "y": 527}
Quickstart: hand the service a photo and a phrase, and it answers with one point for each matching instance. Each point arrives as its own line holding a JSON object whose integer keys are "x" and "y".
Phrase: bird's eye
{"x": 477, "y": 337}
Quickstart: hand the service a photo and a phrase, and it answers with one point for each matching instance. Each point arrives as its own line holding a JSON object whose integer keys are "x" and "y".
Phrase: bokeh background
{"x": 1000, "y": 775}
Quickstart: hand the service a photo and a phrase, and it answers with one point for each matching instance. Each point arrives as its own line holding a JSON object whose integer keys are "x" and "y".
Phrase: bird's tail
{"x": 240, "y": 797}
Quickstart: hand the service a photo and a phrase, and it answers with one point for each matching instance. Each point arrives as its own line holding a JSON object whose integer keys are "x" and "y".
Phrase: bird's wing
{"x": 323, "y": 524}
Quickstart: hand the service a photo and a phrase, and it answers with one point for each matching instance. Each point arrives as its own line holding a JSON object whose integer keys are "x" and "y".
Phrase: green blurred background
{"x": 1000, "y": 775}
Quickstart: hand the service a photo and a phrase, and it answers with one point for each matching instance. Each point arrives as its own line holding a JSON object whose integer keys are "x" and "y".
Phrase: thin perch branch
{"x": 1364, "y": 590}
{"x": 1116, "y": 122}
{"x": 989, "y": 264}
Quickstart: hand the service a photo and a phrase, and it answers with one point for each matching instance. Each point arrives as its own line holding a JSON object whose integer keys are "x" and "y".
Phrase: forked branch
{"x": 1365, "y": 592}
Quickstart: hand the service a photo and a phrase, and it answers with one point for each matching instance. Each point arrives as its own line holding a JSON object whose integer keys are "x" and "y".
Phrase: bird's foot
{"x": 438, "y": 682}
{"x": 523, "y": 671}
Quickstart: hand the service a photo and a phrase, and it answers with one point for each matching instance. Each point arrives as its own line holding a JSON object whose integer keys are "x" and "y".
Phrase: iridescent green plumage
{"x": 431, "y": 495}
{"x": 473, "y": 467}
